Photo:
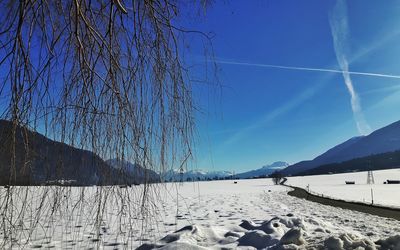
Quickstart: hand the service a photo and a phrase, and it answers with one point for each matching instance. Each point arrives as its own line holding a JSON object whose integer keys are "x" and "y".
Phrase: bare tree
{"x": 276, "y": 177}
{"x": 106, "y": 76}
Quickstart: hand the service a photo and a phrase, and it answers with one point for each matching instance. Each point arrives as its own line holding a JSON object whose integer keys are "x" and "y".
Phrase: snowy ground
{"x": 217, "y": 214}
{"x": 334, "y": 186}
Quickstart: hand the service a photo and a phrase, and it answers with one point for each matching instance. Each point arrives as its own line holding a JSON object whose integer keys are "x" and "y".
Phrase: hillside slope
{"x": 134, "y": 173}
{"x": 381, "y": 161}
{"x": 263, "y": 171}
{"x": 40, "y": 160}
{"x": 386, "y": 139}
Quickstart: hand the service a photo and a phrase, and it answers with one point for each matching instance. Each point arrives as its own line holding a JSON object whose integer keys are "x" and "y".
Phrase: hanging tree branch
{"x": 117, "y": 68}
{"x": 106, "y": 76}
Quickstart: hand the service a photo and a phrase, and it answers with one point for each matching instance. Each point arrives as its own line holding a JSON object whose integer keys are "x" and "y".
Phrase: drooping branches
{"x": 102, "y": 75}
{"x": 107, "y": 76}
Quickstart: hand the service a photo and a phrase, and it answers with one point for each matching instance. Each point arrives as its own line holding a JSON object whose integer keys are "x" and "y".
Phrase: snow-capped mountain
{"x": 263, "y": 171}
{"x": 195, "y": 174}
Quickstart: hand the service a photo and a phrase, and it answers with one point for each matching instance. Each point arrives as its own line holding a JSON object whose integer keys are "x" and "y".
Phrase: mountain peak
{"x": 195, "y": 174}
{"x": 263, "y": 171}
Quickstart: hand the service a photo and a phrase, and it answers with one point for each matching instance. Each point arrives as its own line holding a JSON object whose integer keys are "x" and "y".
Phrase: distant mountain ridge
{"x": 380, "y": 161}
{"x": 386, "y": 139}
{"x": 263, "y": 171}
{"x": 198, "y": 174}
{"x": 194, "y": 175}
{"x": 134, "y": 173}
{"x": 41, "y": 161}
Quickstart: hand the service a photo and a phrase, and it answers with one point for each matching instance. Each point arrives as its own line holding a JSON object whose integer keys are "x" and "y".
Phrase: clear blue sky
{"x": 266, "y": 114}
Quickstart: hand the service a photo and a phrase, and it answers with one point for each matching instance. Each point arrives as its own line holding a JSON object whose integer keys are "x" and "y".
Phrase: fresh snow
{"x": 334, "y": 186}
{"x": 196, "y": 215}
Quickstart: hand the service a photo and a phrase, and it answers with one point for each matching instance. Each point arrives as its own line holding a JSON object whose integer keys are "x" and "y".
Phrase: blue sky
{"x": 260, "y": 114}
{"x": 264, "y": 114}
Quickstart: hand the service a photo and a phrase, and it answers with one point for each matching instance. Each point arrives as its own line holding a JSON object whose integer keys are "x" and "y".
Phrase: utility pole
{"x": 370, "y": 177}
{"x": 372, "y": 196}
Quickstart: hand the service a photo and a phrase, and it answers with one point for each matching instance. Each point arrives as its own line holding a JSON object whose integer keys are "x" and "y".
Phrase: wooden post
{"x": 372, "y": 196}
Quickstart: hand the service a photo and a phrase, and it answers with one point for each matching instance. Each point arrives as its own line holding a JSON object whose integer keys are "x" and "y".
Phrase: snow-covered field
{"x": 217, "y": 214}
{"x": 334, "y": 186}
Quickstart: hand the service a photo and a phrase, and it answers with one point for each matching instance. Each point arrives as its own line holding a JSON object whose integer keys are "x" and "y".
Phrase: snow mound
{"x": 276, "y": 233}
{"x": 257, "y": 239}
{"x": 293, "y": 236}
{"x": 393, "y": 242}
{"x": 349, "y": 241}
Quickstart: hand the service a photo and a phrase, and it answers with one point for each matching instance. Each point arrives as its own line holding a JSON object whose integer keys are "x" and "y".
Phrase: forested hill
{"x": 40, "y": 161}
{"x": 372, "y": 162}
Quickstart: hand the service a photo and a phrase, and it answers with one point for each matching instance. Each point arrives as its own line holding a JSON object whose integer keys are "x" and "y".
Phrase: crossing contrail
{"x": 340, "y": 34}
{"x": 308, "y": 69}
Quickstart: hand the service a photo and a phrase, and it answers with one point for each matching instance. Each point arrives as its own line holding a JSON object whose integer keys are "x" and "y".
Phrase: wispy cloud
{"x": 240, "y": 133}
{"x": 308, "y": 93}
{"x": 340, "y": 34}
{"x": 384, "y": 89}
{"x": 274, "y": 114}
{"x": 307, "y": 69}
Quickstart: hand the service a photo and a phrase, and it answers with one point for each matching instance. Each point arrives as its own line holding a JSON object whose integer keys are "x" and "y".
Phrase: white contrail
{"x": 308, "y": 69}
{"x": 340, "y": 34}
